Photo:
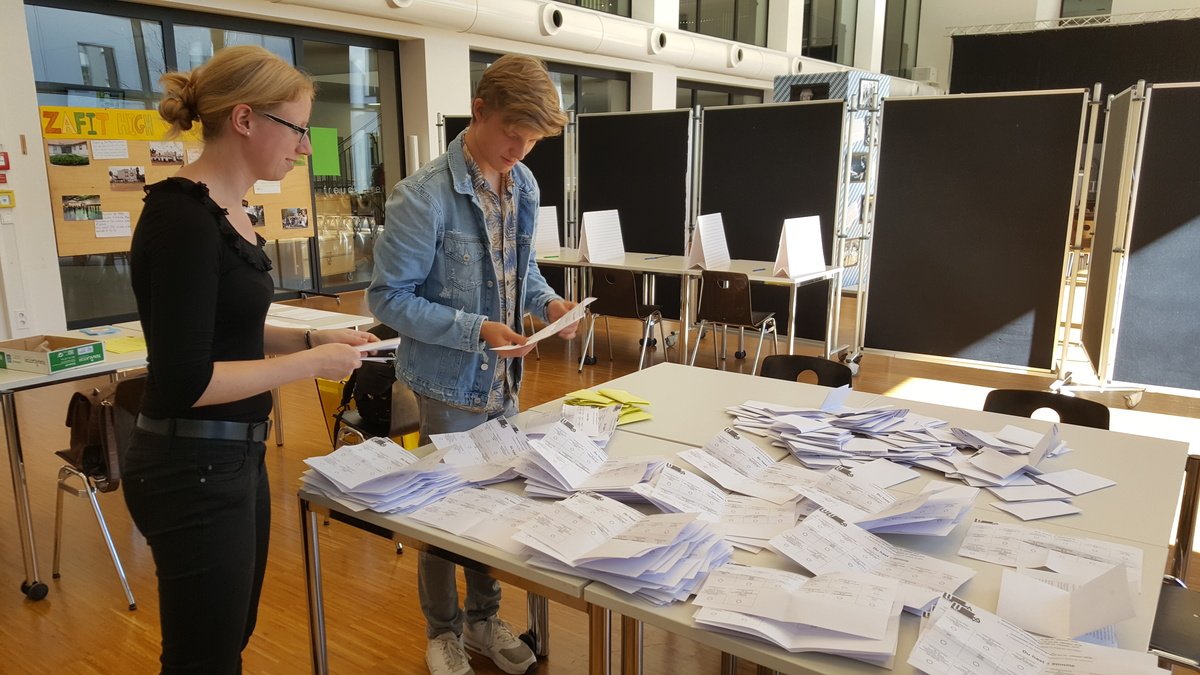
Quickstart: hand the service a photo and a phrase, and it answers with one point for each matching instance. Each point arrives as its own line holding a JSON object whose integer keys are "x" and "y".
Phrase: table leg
{"x": 310, "y": 534}
{"x": 32, "y": 586}
{"x": 631, "y": 646}
{"x": 833, "y": 314}
{"x": 685, "y": 320}
{"x": 599, "y": 640}
{"x": 729, "y": 664}
{"x": 539, "y": 623}
{"x": 793, "y": 292}
{"x": 277, "y": 404}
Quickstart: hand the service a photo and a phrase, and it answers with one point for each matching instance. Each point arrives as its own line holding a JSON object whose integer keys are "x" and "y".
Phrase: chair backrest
{"x": 1071, "y": 410}
{"x": 385, "y": 406}
{"x": 725, "y": 298}
{"x": 790, "y": 366}
{"x": 101, "y": 423}
{"x": 615, "y": 292}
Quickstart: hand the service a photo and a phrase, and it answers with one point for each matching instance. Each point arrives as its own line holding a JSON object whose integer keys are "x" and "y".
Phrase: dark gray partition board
{"x": 547, "y": 162}
{"x": 761, "y": 164}
{"x": 1112, "y": 210}
{"x": 637, "y": 163}
{"x": 1159, "y": 319}
{"x": 971, "y": 224}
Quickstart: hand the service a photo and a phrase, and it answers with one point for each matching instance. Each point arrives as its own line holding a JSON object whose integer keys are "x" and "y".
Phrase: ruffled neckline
{"x": 251, "y": 253}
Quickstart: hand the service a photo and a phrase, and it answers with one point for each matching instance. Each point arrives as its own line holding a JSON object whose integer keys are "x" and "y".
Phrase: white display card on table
{"x": 601, "y": 239}
{"x": 545, "y": 236}
{"x": 709, "y": 250}
{"x": 800, "y": 248}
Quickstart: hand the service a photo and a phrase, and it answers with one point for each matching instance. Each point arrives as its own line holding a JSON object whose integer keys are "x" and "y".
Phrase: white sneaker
{"x": 493, "y": 638}
{"x": 445, "y": 656}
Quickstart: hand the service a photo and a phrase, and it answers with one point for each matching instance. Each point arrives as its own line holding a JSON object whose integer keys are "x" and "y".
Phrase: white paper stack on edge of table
{"x": 380, "y": 475}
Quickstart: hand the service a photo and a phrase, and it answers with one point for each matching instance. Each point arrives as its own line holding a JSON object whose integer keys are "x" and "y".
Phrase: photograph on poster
{"x": 126, "y": 177}
{"x": 164, "y": 153}
{"x": 68, "y": 153}
{"x": 867, "y": 90}
{"x": 255, "y": 211}
{"x": 81, "y": 207}
{"x": 858, "y": 167}
{"x": 294, "y": 219}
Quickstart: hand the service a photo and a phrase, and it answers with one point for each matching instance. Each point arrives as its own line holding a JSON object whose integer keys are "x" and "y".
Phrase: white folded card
{"x": 1075, "y": 481}
{"x": 1064, "y": 606}
{"x": 800, "y": 248}
{"x": 545, "y": 237}
{"x": 601, "y": 238}
{"x": 709, "y": 249}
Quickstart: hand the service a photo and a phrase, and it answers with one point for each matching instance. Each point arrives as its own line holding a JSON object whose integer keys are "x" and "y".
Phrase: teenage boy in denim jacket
{"x": 454, "y": 274}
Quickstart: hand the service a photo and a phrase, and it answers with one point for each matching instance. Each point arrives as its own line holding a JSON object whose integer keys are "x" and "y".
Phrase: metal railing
{"x": 1075, "y": 22}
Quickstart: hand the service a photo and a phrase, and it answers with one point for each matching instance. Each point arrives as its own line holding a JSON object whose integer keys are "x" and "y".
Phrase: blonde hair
{"x": 245, "y": 74}
{"x": 519, "y": 88}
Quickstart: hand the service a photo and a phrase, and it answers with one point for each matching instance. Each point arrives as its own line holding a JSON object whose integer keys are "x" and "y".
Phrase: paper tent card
{"x": 800, "y": 248}
{"x": 545, "y": 236}
{"x": 709, "y": 250}
{"x": 601, "y": 238}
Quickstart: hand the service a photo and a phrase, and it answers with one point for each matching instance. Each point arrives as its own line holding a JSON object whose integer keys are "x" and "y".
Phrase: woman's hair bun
{"x": 178, "y": 104}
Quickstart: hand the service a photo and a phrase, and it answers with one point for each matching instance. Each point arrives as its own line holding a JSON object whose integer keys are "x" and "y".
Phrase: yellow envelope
{"x": 587, "y": 397}
{"x": 624, "y": 397}
{"x": 125, "y": 344}
{"x": 632, "y": 415}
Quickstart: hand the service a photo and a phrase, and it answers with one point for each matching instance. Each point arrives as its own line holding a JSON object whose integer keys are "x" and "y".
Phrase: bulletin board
{"x": 639, "y": 164}
{"x": 761, "y": 164}
{"x": 100, "y": 160}
{"x": 971, "y": 225}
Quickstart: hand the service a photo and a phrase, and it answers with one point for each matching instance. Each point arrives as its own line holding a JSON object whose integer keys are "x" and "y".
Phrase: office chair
{"x": 1024, "y": 403}
{"x": 725, "y": 302}
{"x": 790, "y": 366}
{"x": 99, "y": 468}
{"x": 1175, "y": 637}
{"x": 616, "y": 296}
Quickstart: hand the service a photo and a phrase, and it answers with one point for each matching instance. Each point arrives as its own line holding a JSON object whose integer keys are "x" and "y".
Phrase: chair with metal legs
{"x": 95, "y": 471}
{"x": 725, "y": 302}
{"x": 616, "y": 296}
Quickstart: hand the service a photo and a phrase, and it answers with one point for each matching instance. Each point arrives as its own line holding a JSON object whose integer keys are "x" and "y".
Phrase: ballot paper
{"x": 1004, "y": 545}
{"x": 796, "y": 637}
{"x": 563, "y": 322}
{"x": 854, "y": 603}
{"x": 709, "y": 250}
{"x": 735, "y": 464}
{"x": 1064, "y": 606}
{"x": 600, "y": 238}
{"x": 935, "y": 511}
{"x": 485, "y": 454}
{"x": 380, "y": 475}
{"x": 615, "y": 478}
{"x": 960, "y": 639}
{"x": 1038, "y": 510}
{"x": 632, "y": 405}
{"x": 824, "y": 543}
{"x": 381, "y": 345}
{"x": 595, "y": 423}
{"x": 1028, "y": 493}
{"x": 564, "y": 457}
{"x": 1075, "y": 481}
{"x": 1073, "y": 657}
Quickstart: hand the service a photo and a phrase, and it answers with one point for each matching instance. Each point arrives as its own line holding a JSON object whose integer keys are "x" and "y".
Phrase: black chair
{"x": 789, "y": 367}
{"x": 725, "y": 302}
{"x": 94, "y": 470}
{"x": 1024, "y": 403}
{"x": 616, "y": 296}
{"x": 393, "y": 405}
{"x": 1175, "y": 637}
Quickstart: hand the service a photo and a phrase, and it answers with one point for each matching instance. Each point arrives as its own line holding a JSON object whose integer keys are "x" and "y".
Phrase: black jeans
{"x": 204, "y": 507}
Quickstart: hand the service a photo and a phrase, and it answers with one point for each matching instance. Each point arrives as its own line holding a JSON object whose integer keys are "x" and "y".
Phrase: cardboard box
{"x": 31, "y": 353}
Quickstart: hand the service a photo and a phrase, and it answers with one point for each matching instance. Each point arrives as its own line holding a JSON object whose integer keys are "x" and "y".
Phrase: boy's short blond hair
{"x": 520, "y": 89}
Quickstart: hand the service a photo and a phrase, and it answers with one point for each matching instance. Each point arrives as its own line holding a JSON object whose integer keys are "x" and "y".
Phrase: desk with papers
{"x": 758, "y": 271}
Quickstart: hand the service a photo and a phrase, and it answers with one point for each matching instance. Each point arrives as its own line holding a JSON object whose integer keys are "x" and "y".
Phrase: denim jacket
{"x": 435, "y": 283}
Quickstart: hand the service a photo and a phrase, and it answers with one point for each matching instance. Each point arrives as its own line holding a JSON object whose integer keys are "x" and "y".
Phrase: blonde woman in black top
{"x": 196, "y": 484}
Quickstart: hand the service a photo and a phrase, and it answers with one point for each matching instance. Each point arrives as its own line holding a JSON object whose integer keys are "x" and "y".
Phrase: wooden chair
{"x": 790, "y": 366}
{"x": 725, "y": 302}
{"x": 616, "y": 296}
{"x": 1024, "y": 403}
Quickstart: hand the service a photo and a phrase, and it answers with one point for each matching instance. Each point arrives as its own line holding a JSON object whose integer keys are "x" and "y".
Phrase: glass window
{"x": 1072, "y": 8}
{"x": 689, "y": 94}
{"x": 829, "y": 27}
{"x": 194, "y": 45}
{"x": 740, "y": 20}
{"x": 618, "y": 7}
{"x": 579, "y": 89}
{"x": 900, "y": 23}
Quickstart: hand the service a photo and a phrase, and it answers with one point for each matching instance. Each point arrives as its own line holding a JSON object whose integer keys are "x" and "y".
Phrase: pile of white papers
{"x": 849, "y": 613}
{"x": 851, "y": 495}
{"x": 1023, "y": 546}
{"x": 615, "y": 478}
{"x": 662, "y": 558}
{"x": 486, "y": 515}
{"x": 485, "y": 454}
{"x": 824, "y": 543}
{"x": 739, "y": 465}
{"x": 1072, "y": 657}
{"x": 596, "y": 422}
{"x": 746, "y": 522}
{"x": 958, "y": 638}
{"x": 379, "y": 475}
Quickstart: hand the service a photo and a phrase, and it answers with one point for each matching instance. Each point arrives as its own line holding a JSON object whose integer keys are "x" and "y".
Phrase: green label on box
{"x": 75, "y": 357}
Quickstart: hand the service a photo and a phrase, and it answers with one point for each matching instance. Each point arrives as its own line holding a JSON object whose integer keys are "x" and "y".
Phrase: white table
{"x": 757, "y": 271}
{"x": 13, "y": 381}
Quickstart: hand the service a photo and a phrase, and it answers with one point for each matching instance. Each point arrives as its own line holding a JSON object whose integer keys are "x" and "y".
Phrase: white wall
{"x": 1135, "y": 6}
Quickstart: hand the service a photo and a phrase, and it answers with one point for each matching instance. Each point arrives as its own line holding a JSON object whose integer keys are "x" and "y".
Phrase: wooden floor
{"x": 373, "y": 622}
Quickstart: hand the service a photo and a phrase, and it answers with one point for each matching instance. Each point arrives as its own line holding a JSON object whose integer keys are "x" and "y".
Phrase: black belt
{"x": 217, "y": 430}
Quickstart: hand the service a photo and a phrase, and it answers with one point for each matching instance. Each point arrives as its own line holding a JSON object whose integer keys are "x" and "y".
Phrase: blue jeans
{"x": 435, "y": 576}
{"x": 205, "y": 509}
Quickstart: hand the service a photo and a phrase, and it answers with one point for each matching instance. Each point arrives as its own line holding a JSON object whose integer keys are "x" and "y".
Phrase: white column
{"x": 31, "y": 287}
{"x": 868, "y": 35}
{"x": 435, "y": 77}
{"x": 653, "y": 90}
{"x": 785, "y": 26}
{"x": 662, "y": 13}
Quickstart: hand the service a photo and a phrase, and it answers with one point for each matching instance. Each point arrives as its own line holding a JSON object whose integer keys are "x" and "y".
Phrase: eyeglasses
{"x": 303, "y": 131}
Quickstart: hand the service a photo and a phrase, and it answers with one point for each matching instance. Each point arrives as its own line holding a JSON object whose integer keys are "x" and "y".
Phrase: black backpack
{"x": 376, "y": 395}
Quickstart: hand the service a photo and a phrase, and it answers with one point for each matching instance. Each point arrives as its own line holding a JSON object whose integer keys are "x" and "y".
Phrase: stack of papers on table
{"x": 852, "y": 496}
{"x": 379, "y": 475}
{"x": 565, "y": 460}
{"x": 596, "y": 422}
{"x": 824, "y": 543}
{"x": 848, "y": 613}
{"x": 739, "y": 465}
{"x": 485, "y": 454}
{"x": 632, "y": 405}
{"x": 746, "y": 522}
{"x": 961, "y": 639}
{"x": 486, "y": 515}
{"x": 662, "y": 558}
{"x": 1073, "y": 657}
